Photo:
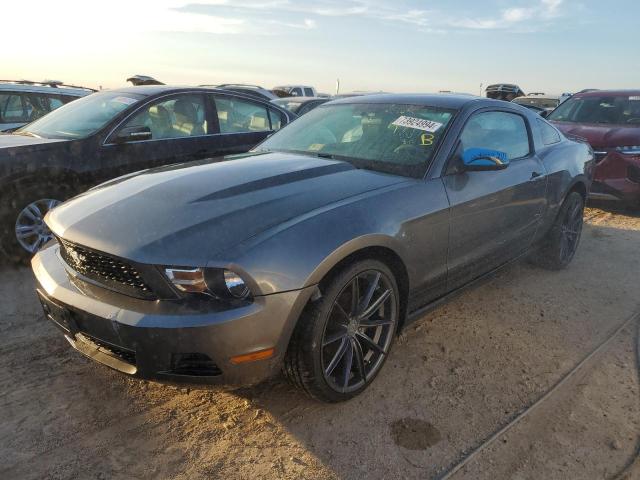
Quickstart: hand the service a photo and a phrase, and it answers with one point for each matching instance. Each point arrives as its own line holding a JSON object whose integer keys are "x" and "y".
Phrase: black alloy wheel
{"x": 342, "y": 339}
{"x": 359, "y": 331}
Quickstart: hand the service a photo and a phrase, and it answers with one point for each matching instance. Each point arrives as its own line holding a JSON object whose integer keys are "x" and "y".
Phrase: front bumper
{"x": 153, "y": 339}
{"x": 617, "y": 176}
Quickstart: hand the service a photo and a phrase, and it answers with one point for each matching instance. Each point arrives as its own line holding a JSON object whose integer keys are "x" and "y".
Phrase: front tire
{"x": 342, "y": 340}
{"x": 22, "y": 229}
{"x": 561, "y": 242}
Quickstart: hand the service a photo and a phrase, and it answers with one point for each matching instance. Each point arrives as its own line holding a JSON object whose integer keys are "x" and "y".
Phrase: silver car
{"x": 23, "y": 101}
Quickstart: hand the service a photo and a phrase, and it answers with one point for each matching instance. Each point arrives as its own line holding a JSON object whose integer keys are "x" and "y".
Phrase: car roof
{"x": 51, "y": 90}
{"x": 298, "y": 99}
{"x": 542, "y": 96}
{"x": 155, "y": 89}
{"x": 613, "y": 93}
{"x": 444, "y": 100}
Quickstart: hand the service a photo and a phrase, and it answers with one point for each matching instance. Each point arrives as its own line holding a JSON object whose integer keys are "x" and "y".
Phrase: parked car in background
{"x": 610, "y": 121}
{"x": 565, "y": 96}
{"x": 504, "y": 91}
{"x": 298, "y": 90}
{"x": 23, "y": 101}
{"x": 300, "y": 105}
{"x": 540, "y": 100}
{"x": 111, "y": 133}
{"x": 255, "y": 91}
{"x": 540, "y": 111}
{"x": 315, "y": 250}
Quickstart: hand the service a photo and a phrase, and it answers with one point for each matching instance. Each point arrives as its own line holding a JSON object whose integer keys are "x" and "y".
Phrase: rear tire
{"x": 342, "y": 340}
{"x": 559, "y": 245}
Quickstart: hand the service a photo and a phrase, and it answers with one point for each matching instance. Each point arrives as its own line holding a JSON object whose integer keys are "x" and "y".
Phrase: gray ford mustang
{"x": 311, "y": 252}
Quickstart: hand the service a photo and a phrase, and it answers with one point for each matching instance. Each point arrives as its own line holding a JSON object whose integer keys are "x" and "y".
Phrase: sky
{"x": 551, "y": 46}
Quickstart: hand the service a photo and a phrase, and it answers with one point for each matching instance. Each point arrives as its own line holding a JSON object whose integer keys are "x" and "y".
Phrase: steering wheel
{"x": 407, "y": 150}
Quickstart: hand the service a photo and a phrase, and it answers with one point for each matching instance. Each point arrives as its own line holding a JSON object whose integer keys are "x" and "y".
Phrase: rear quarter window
{"x": 549, "y": 134}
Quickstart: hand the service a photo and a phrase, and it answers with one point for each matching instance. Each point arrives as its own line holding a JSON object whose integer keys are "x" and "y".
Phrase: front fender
{"x": 410, "y": 219}
{"x": 351, "y": 247}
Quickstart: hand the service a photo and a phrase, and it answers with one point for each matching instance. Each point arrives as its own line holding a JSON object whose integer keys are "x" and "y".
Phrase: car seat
{"x": 186, "y": 119}
{"x": 160, "y": 120}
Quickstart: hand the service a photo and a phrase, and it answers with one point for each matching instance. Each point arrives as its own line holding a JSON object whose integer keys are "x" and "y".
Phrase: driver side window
{"x": 176, "y": 117}
{"x": 506, "y": 132}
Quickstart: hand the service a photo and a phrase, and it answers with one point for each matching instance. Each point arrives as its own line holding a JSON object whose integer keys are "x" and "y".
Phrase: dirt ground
{"x": 453, "y": 379}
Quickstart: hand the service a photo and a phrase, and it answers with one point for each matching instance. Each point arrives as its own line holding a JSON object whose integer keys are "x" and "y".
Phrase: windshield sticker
{"x": 417, "y": 123}
{"x": 125, "y": 100}
{"x": 314, "y": 147}
{"x": 426, "y": 139}
{"x": 634, "y": 99}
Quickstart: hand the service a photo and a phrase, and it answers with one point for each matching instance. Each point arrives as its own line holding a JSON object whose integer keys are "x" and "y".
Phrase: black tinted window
{"x": 237, "y": 116}
{"x": 179, "y": 116}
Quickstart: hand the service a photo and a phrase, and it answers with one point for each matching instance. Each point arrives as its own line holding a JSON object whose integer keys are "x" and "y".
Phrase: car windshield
{"x": 605, "y": 109}
{"x": 537, "y": 102}
{"x": 291, "y": 105}
{"x": 82, "y": 117}
{"x": 392, "y": 138}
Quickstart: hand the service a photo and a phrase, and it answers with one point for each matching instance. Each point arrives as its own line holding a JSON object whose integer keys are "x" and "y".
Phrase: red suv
{"x": 610, "y": 121}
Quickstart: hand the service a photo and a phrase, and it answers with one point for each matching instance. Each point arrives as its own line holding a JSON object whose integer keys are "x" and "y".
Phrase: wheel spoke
{"x": 563, "y": 246}
{"x": 355, "y": 295}
{"x": 381, "y": 322}
{"x": 38, "y": 244}
{"x": 33, "y": 211}
{"x": 348, "y": 365}
{"x": 369, "y": 343}
{"x": 334, "y": 337}
{"x": 359, "y": 359}
{"x": 341, "y": 310}
{"x": 24, "y": 231}
{"x": 375, "y": 305}
{"x": 370, "y": 291}
{"x": 337, "y": 357}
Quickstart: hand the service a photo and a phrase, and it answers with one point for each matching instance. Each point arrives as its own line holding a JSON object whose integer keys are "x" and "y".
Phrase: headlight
{"x": 216, "y": 282}
{"x": 630, "y": 150}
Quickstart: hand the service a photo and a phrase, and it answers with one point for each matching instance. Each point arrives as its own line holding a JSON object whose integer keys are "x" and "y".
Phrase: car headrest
{"x": 186, "y": 109}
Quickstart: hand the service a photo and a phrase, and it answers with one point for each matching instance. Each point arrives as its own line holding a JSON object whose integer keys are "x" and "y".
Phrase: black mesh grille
{"x": 104, "y": 269}
{"x": 122, "y": 353}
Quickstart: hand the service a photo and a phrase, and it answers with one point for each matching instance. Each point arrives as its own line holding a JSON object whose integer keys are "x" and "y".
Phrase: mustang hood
{"x": 602, "y": 136}
{"x": 186, "y": 214}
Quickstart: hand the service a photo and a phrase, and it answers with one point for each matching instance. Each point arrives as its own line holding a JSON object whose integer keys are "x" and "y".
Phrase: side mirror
{"x": 544, "y": 113}
{"x": 484, "y": 159}
{"x": 133, "y": 134}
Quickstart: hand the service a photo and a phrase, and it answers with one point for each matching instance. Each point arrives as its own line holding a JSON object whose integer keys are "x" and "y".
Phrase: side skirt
{"x": 420, "y": 312}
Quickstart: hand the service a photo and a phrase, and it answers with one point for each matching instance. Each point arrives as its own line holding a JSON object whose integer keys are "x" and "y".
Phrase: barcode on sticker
{"x": 417, "y": 123}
